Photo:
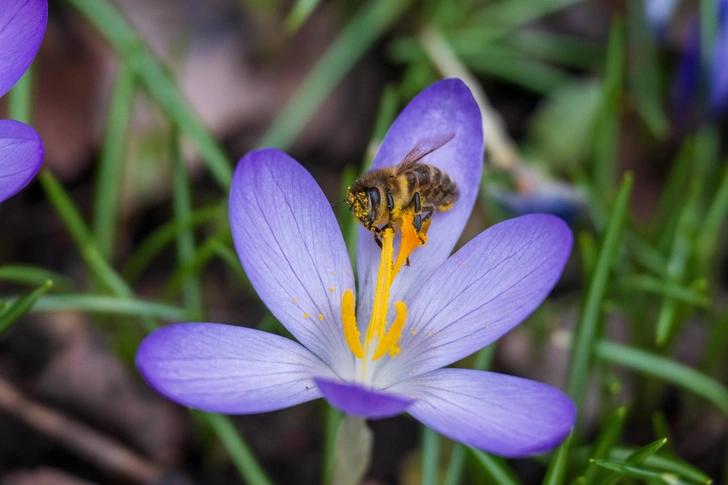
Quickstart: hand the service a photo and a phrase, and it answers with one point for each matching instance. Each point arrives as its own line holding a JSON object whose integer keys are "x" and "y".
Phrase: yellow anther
{"x": 348, "y": 320}
{"x": 388, "y": 343}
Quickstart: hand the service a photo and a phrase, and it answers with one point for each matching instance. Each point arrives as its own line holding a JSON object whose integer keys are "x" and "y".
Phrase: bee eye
{"x": 374, "y": 198}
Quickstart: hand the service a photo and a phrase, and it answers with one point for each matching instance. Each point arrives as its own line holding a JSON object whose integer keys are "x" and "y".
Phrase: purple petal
{"x": 445, "y": 107}
{"x": 22, "y": 25}
{"x": 719, "y": 65}
{"x": 226, "y": 369}
{"x": 500, "y": 414}
{"x": 293, "y": 252}
{"x": 21, "y": 155}
{"x": 358, "y": 400}
{"x": 484, "y": 290}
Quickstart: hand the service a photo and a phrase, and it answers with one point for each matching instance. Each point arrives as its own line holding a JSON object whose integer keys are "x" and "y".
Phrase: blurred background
{"x": 144, "y": 107}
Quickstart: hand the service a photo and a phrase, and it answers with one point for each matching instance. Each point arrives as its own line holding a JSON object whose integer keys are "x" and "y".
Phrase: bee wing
{"x": 421, "y": 150}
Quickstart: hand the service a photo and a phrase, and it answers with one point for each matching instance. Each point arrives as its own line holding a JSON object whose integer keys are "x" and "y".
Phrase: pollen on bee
{"x": 305, "y": 315}
{"x": 321, "y": 317}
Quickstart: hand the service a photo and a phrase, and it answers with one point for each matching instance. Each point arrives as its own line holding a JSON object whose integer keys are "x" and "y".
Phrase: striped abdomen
{"x": 437, "y": 190}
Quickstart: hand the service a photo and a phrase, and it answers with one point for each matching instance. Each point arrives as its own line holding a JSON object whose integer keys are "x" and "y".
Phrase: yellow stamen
{"x": 388, "y": 342}
{"x": 348, "y": 319}
{"x": 410, "y": 239}
{"x": 381, "y": 295}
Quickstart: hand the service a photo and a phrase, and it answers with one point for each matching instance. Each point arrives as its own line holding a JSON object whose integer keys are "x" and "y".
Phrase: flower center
{"x": 380, "y": 340}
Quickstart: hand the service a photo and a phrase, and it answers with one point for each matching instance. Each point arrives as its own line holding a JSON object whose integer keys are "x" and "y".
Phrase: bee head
{"x": 364, "y": 204}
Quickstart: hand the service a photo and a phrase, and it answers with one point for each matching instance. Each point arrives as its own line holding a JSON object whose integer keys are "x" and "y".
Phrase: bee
{"x": 380, "y": 197}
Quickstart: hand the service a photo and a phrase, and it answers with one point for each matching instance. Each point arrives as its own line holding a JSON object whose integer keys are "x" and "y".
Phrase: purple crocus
{"x": 22, "y": 26}
{"x": 719, "y": 63}
{"x": 444, "y": 307}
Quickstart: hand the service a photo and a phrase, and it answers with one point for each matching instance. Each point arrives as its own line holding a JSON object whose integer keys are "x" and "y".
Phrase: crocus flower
{"x": 22, "y": 26}
{"x": 444, "y": 308}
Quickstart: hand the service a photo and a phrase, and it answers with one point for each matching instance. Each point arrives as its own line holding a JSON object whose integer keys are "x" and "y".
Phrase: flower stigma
{"x": 379, "y": 340}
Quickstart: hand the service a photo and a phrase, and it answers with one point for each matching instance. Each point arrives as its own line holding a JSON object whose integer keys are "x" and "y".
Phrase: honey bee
{"x": 380, "y": 197}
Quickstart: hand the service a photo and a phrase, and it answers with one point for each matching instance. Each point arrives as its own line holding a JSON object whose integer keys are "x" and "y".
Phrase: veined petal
{"x": 500, "y": 414}
{"x": 227, "y": 369}
{"x": 358, "y": 400}
{"x": 292, "y": 250}
{"x": 484, "y": 290}
{"x": 22, "y": 25}
{"x": 445, "y": 107}
{"x": 21, "y": 155}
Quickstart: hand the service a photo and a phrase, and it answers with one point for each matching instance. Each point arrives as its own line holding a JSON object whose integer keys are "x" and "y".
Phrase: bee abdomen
{"x": 436, "y": 188}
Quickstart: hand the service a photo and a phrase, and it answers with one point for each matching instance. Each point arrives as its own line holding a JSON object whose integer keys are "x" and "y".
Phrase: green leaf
{"x": 640, "y": 472}
{"x": 635, "y": 458}
{"x": 608, "y": 437}
{"x": 333, "y": 421}
{"x": 587, "y": 329}
{"x": 668, "y": 289}
{"x": 110, "y": 168}
{"x": 22, "y": 305}
{"x": 299, "y": 14}
{"x": 666, "y": 464}
{"x": 369, "y": 23}
{"x": 105, "y": 305}
{"x": 21, "y": 273}
{"x": 109, "y": 23}
{"x": 20, "y": 103}
{"x": 667, "y": 370}
{"x": 243, "y": 458}
{"x": 557, "y": 465}
{"x": 496, "y": 468}
{"x": 182, "y": 210}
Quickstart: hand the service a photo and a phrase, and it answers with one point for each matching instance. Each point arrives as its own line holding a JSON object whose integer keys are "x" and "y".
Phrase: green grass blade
{"x": 182, "y": 209}
{"x": 110, "y": 171}
{"x": 556, "y": 471}
{"x": 518, "y": 12}
{"x": 667, "y": 370}
{"x": 666, "y": 464}
{"x": 495, "y": 468}
{"x": 20, "y": 273}
{"x": 668, "y": 289}
{"x": 369, "y": 23}
{"x": 244, "y": 460}
{"x": 107, "y": 305}
{"x": 640, "y": 472}
{"x": 108, "y": 22}
{"x": 430, "y": 455}
{"x": 589, "y": 317}
{"x": 714, "y": 222}
{"x": 67, "y": 211}
{"x": 20, "y": 100}
{"x": 608, "y": 120}
{"x": 607, "y": 439}
{"x": 163, "y": 236}
{"x": 242, "y": 456}
{"x": 22, "y": 306}
{"x": 299, "y": 14}
{"x": 637, "y": 457}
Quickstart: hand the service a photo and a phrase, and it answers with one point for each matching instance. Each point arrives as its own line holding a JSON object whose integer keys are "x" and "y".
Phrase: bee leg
{"x": 418, "y": 210}
{"x": 378, "y": 237}
{"x": 419, "y": 219}
{"x": 406, "y": 263}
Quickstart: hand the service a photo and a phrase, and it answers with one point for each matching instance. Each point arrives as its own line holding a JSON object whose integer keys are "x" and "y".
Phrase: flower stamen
{"x": 377, "y": 333}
